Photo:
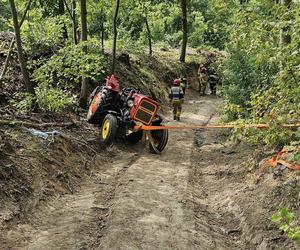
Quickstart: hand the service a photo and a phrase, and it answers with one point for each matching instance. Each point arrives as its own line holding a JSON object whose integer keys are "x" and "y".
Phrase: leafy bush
{"x": 44, "y": 34}
{"x": 66, "y": 68}
{"x": 198, "y": 27}
{"x": 285, "y": 219}
{"x": 127, "y": 44}
{"x": 47, "y": 99}
{"x": 25, "y": 105}
{"x": 53, "y": 99}
{"x": 219, "y": 20}
{"x": 57, "y": 77}
{"x": 4, "y": 15}
{"x": 261, "y": 76}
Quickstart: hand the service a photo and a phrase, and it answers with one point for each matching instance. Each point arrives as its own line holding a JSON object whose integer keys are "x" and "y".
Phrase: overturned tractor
{"x": 120, "y": 112}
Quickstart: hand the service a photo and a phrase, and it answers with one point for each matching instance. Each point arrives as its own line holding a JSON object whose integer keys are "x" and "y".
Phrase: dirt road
{"x": 195, "y": 195}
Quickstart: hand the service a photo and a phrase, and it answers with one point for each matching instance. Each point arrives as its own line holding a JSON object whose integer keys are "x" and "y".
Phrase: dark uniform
{"x": 213, "y": 80}
{"x": 183, "y": 84}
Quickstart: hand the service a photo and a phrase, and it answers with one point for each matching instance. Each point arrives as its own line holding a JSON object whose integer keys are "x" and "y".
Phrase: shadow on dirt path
{"x": 190, "y": 197}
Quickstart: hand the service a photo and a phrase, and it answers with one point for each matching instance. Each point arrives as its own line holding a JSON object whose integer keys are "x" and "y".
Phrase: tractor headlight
{"x": 130, "y": 103}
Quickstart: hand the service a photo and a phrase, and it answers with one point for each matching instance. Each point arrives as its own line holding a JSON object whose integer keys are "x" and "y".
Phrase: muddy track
{"x": 190, "y": 197}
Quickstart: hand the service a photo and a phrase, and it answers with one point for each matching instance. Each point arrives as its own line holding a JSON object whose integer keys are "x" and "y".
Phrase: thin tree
{"x": 102, "y": 14}
{"x": 74, "y": 21}
{"x": 13, "y": 42}
{"x": 84, "y": 81}
{"x": 61, "y": 12}
{"x": 28, "y": 84}
{"x": 184, "y": 30}
{"x": 73, "y": 16}
{"x": 149, "y": 36}
{"x": 285, "y": 38}
{"x": 115, "y": 31}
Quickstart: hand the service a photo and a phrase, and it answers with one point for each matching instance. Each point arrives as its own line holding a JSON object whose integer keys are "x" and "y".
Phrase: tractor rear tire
{"x": 135, "y": 137}
{"x": 160, "y": 138}
{"x": 99, "y": 105}
{"x": 108, "y": 129}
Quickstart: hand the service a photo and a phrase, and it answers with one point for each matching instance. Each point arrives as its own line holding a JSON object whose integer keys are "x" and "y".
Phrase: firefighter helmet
{"x": 177, "y": 82}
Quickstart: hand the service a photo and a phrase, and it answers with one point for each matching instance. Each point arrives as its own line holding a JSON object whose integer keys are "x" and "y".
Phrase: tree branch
{"x": 12, "y": 43}
{"x": 25, "y": 13}
{"x": 68, "y": 9}
{"x": 14, "y": 123}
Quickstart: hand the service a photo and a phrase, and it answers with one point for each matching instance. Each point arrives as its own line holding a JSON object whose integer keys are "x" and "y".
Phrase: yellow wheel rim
{"x": 105, "y": 129}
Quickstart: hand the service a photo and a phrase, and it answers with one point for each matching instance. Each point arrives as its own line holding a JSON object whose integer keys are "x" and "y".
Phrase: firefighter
{"x": 183, "y": 84}
{"x": 176, "y": 98}
{"x": 213, "y": 80}
{"x": 202, "y": 74}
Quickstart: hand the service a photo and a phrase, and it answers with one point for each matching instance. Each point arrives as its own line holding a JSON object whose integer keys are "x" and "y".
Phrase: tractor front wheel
{"x": 108, "y": 129}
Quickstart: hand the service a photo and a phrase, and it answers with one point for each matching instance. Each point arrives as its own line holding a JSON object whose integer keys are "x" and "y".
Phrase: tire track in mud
{"x": 153, "y": 206}
{"x": 72, "y": 221}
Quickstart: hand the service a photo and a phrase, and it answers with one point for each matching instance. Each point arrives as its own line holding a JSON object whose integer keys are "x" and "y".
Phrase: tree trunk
{"x": 117, "y": 3}
{"x": 84, "y": 81}
{"x": 285, "y": 38}
{"x": 149, "y": 35}
{"x": 72, "y": 14}
{"x": 28, "y": 84}
{"x": 61, "y": 12}
{"x": 74, "y": 22}
{"x": 7, "y": 59}
{"x": 184, "y": 30}
{"x": 13, "y": 42}
{"x": 102, "y": 37}
{"x": 102, "y": 29}
{"x": 83, "y": 20}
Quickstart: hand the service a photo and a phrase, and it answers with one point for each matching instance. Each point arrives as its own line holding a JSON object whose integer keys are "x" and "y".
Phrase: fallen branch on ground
{"x": 14, "y": 123}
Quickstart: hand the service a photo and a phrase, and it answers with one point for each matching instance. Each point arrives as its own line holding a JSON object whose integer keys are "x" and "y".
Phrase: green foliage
{"x": 47, "y": 99}
{"x": 218, "y": 16}
{"x": 127, "y": 44}
{"x": 261, "y": 76}
{"x": 197, "y": 29}
{"x": 26, "y": 103}
{"x": 296, "y": 157}
{"x": 209, "y": 22}
{"x": 42, "y": 34}
{"x": 284, "y": 218}
{"x": 53, "y": 99}
{"x": 66, "y": 68}
{"x": 4, "y": 15}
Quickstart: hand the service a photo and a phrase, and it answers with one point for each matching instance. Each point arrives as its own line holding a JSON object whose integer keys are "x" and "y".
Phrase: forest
{"x": 53, "y": 53}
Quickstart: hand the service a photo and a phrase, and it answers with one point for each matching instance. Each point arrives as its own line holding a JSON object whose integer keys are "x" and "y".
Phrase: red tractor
{"x": 120, "y": 112}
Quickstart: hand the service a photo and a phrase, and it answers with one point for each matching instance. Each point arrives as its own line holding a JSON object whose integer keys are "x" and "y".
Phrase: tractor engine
{"x": 144, "y": 109}
{"x": 138, "y": 107}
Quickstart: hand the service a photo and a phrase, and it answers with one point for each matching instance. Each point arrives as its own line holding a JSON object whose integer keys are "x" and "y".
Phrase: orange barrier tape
{"x": 147, "y": 128}
{"x": 275, "y": 160}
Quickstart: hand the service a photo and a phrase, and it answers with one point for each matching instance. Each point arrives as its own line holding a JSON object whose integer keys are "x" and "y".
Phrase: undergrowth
{"x": 285, "y": 219}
